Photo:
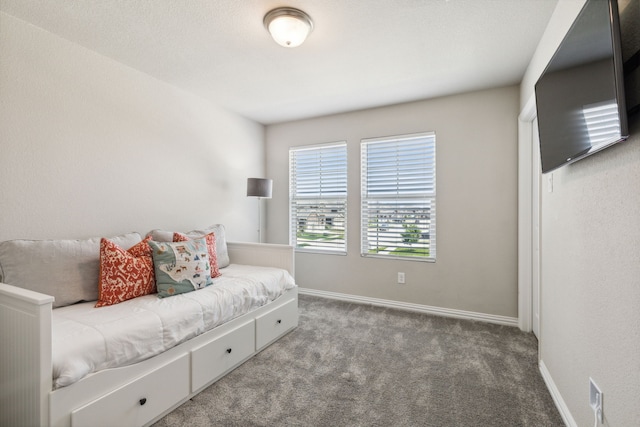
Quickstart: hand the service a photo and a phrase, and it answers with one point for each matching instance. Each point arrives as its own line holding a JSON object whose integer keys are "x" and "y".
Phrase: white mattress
{"x": 87, "y": 339}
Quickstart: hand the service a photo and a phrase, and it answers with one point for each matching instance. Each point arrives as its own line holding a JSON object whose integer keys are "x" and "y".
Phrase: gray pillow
{"x": 218, "y": 229}
{"x": 68, "y": 270}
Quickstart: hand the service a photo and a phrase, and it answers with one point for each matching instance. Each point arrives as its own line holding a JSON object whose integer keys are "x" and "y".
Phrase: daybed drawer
{"x": 213, "y": 359}
{"x": 275, "y": 323}
{"x": 140, "y": 401}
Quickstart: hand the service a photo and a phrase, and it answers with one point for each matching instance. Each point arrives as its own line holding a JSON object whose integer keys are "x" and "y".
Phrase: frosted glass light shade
{"x": 289, "y": 27}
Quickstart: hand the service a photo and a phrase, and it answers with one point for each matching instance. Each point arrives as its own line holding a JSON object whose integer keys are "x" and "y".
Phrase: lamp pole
{"x": 262, "y": 189}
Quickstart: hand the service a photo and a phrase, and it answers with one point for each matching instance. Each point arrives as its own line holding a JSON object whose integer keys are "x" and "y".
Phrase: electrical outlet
{"x": 401, "y": 278}
{"x": 595, "y": 400}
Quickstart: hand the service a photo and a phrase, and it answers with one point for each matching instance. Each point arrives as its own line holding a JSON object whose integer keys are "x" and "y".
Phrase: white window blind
{"x": 318, "y": 198}
{"x": 398, "y": 195}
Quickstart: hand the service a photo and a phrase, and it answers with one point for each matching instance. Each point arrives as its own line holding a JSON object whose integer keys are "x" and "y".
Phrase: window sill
{"x": 399, "y": 258}
{"x": 320, "y": 252}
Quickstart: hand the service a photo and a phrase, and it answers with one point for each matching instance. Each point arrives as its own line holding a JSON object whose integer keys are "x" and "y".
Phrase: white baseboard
{"x": 427, "y": 309}
{"x": 557, "y": 397}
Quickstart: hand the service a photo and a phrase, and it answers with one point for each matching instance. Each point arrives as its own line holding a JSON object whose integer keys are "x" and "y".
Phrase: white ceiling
{"x": 361, "y": 54}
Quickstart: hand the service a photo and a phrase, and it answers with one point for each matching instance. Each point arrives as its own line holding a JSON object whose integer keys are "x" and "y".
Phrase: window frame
{"x": 401, "y": 195}
{"x": 329, "y": 197}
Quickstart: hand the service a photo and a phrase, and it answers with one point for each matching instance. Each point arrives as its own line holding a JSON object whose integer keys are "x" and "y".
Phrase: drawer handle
{"x": 229, "y": 350}
{"x": 143, "y": 401}
{"x": 279, "y": 321}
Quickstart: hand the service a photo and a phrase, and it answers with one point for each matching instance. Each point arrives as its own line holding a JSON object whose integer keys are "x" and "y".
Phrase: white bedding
{"x": 87, "y": 339}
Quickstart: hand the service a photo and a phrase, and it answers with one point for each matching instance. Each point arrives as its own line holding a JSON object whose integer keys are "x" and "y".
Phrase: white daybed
{"x": 140, "y": 393}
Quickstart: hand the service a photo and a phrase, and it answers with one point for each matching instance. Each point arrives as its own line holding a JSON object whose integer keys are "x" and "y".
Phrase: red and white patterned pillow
{"x": 124, "y": 274}
{"x": 211, "y": 248}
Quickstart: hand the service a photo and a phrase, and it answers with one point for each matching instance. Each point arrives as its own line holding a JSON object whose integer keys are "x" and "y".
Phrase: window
{"x": 399, "y": 197}
{"x": 318, "y": 198}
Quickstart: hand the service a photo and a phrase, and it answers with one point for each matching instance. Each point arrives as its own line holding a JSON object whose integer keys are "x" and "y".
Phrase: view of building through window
{"x": 398, "y": 196}
{"x": 318, "y": 197}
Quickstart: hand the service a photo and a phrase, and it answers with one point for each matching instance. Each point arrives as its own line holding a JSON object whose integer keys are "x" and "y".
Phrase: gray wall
{"x": 590, "y": 300}
{"x": 90, "y": 147}
{"x": 590, "y": 272}
{"x": 476, "y": 143}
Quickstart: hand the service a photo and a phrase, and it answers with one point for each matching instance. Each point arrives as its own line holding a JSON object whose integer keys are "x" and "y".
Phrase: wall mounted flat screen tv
{"x": 580, "y": 95}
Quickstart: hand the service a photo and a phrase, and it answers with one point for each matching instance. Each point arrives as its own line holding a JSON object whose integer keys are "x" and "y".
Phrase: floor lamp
{"x": 260, "y": 188}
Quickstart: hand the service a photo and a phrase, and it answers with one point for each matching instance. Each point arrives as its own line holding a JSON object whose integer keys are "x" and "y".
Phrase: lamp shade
{"x": 259, "y": 187}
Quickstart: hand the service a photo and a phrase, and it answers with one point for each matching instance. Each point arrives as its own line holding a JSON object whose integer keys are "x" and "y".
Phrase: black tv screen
{"x": 580, "y": 95}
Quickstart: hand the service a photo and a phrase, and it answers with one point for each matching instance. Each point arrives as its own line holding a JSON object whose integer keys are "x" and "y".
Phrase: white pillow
{"x": 68, "y": 270}
{"x": 218, "y": 229}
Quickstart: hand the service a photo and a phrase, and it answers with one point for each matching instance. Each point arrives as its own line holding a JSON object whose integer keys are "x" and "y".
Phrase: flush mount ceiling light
{"x": 289, "y": 27}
